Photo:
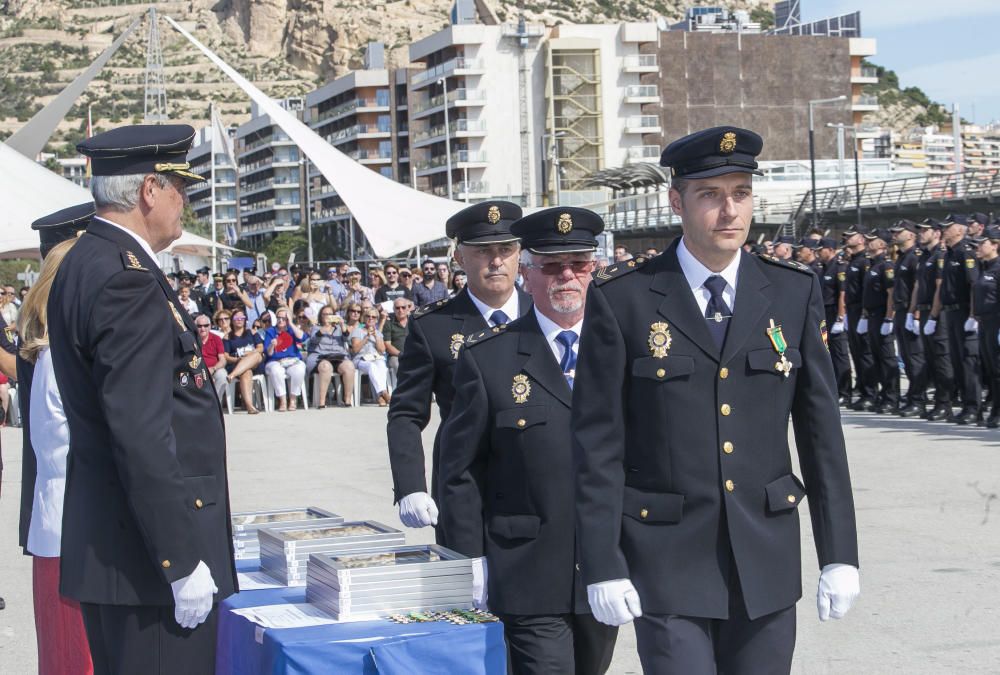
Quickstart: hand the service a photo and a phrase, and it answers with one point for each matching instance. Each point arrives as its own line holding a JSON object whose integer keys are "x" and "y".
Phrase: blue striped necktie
{"x": 499, "y": 318}
{"x": 567, "y": 339}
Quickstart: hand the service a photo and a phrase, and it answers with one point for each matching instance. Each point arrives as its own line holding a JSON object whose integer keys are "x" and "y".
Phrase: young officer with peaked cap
{"x": 858, "y": 263}
{"x": 147, "y": 540}
{"x": 933, "y": 332}
{"x": 487, "y": 251}
{"x": 986, "y": 300}
{"x": 905, "y": 326}
{"x": 877, "y": 321}
{"x": 689, "y": 368}
{"x": 507, "y": 487}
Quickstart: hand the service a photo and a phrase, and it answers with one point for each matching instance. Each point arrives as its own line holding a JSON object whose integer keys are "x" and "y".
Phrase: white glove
{"x": 417, "y": 509}
{"x": 998, "y": 337}
{"x": 480, "y": 590}
{"x": 193, "y": 596}
{"x": 886, "y": 328}
{"x": 971, "y": 326}
{"x": 930, "y": 327}
{"x": 838, "y": 327}
{"x": 862, "y": 326}
{"x": 912, "y": 325}
{"x": 839, "y": 587}
{"x": 614, "y": 602}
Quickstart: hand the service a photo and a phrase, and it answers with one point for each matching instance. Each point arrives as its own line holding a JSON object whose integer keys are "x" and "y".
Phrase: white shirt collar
{"x": 550, "y": 329}
{"x": 142, "y": 242}
{"x": 696, "y": 275}
{"x": 510, "y": 308}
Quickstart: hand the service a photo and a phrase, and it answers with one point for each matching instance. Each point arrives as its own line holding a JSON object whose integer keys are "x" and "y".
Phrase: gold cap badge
{"x": 493, "y": 215}
{"x": 659, "y": 339}
{"x": 728, "y": 142}
{"x": 565, "y": 223}
{"x": 521, "y": 389}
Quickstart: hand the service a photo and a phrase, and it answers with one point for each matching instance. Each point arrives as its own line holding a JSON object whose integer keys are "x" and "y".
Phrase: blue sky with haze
{"x": 948, "y": 48}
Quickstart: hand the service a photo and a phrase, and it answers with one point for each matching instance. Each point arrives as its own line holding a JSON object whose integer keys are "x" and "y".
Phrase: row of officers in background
{"x": 924, "y": 294}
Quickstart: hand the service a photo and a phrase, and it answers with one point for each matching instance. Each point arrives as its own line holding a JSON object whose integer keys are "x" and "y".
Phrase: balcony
{"x": 642, "y": 93}
{"x": 279, "y": 138}
{"x": 864, "y": 103}
{"x": 643, "y": 124}
{"x": 356, "y": 131}
{"x": 371, "y": 156}
{"x": 641, "y": 63}
{"x": 531, "y": 30}
{"x": 866, "y": 75}
{"x": 461, "y": 190}
{"x": 248, "y": 189}
{"x": 457, "y": 66}
{"x": 460, "y": 128}
{"x": 336, "y": 213}
{"x": 643, "y": 153}
{"x": 351, "y": 107}
{"x": 456, "y": 97}
{"x": 459, "y": 160}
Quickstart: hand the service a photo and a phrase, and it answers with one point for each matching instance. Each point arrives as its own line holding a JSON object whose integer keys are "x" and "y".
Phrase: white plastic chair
{"x": 304, "y": 394}
{"x": 258, "y": 383}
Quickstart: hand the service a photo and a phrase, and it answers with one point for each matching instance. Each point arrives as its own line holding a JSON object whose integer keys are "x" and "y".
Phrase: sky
{"x": 948, "y": 48}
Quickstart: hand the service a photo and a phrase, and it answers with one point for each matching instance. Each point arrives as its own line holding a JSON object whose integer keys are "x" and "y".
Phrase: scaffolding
{"x": 154, "y": 110}
{"x": 575, "y": 119}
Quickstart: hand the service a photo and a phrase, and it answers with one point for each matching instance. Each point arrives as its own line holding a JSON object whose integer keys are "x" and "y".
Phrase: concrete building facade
{"x": 200, "y": 194}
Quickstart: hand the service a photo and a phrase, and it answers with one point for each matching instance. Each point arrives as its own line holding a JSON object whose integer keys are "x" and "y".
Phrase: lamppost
{"x": 853, "y": 129}
{"x": 304, "y": 163}
{"x": 550, "y": 152}
{"x": 812, "y": 147}
{"x": 443, "y": 81}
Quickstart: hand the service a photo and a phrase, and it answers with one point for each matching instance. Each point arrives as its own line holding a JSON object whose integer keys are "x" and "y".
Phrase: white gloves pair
{"x": 193, "y": 596}
{"x": 480, "y": 589}
{"x": 912, "y": 324}
{"x": 417, "y": 509}
{"x": 616, "y": 602}
{"x": 838, "y": 326}
{"x": 930, "y": 326}
{"x": 886, "y": 328}
{"x": 971, "y": 326}
{"x": 862, "y": 326}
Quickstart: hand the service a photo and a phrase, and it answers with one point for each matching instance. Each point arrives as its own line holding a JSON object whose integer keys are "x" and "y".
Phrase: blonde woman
{"x": 62, "y": 640}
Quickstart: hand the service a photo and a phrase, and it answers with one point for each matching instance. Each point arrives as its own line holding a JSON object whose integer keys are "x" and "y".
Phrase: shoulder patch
{"x": 131, "y": 262}
{"x": 787, "y": 264}
{"x": 608, "y": 272}
{"x": 484, "y": 335}
{"x": 427, "y": 309}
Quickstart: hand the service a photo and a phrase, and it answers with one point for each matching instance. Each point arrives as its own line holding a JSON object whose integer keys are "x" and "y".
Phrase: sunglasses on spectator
{"x": 233, "y": 279}
{"x": 300, "y": 316}
{"x": 400, "y": 307}
{"x": 203, "y": 325}
{"x": 553, "y": 268}
{"x": 389, "y": 273}
{"x": 405, "y": 274}
{"x": 223, "y": 318}
{"x": 354, "y": 311}
{"x": 239, "y": 318}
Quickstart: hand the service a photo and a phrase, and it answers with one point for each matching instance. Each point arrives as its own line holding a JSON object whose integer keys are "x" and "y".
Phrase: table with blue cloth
{"x": 367, "y": 647}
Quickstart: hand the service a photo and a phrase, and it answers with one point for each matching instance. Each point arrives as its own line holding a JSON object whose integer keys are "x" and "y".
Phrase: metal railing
{"x": 351, "y": 106}
{"x": 454, "y": 127}
{"x": 865, "y": 99}
{"x": 642, "y": 122}
{"x": 457, "y": 63}
{"x": 642, "y": 91}
{"x": 642, "y": 61}
{"x": 453, "y": 96}
{"x": 642, "y": 153}
{"x": 869, "y": 71}
{"x": 456, "y": 158}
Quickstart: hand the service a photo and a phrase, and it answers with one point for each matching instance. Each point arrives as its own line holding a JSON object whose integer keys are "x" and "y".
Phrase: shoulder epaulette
{"x": 484, "y": 335}
{"x": 608, "y": 272}
{"x": 428, "y": 308}
{"x": 131, "y": 262}
{"x": 788, "y": 264}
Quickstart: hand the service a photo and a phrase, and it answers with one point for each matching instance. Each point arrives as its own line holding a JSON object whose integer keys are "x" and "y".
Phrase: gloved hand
{"x": 886, "y": 328}
{"x": 930, "y": 327}
{"x": 839, "y": 587}
{"x": 862, "y": 326}
{"x": 912, "y": 325}
{"x": 417, "y": 509}
{"x": 838, "y": 326}
{"x": 193, "y": 596}
{"x": 971, "y": 326}
{"x": 614, "y": 602}
{"x": 480, "y": 590}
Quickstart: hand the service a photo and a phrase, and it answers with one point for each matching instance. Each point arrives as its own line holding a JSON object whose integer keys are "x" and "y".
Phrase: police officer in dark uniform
{"x": 690, "y": 366}
{"x": 905, "y": 326}
{"x": 146, "y": 539}
{"x": 507, "y": 486}
{"x": 832, "y": 278}
{"x": 861, "y": 354}
{"x": 876, "y": 301}
{"x": 986, "y": 300}
{"x": 487, "y": 251}
{"x": 933, "y": 332}
{"x": 961, "y": 269}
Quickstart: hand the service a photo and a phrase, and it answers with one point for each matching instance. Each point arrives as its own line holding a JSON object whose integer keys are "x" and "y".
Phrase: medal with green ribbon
{"x": 783, "y": 365}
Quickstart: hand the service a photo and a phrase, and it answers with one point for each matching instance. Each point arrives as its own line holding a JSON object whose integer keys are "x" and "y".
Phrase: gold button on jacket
{"x": 727, "y": 448}
{"x": 198, "y": 503}
{"x": 723, "y": 373}
{"x": 730, "y": 486}
{"x": 726, "y": 409}
{"x": 165, "y": 564}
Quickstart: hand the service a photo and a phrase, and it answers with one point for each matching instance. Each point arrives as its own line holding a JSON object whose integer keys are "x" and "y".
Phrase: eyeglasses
{"x": 283, "y": 318}
{"x": 403, "y": 307}
{"x": 223, "y": 318}
{"x": 314, "y": 279}
{"x": 371, "y": 316}
{"x": 233, "y": 279}
{"x": 390, "y": 273}
{"x": 239, "y": 318}
{"x": 354, "y": 311}
{"x": 203, "y": 325}
{"x": 553, "y": 268}
{"x": 405, "y": 274}
{"x": 300, "y": 316}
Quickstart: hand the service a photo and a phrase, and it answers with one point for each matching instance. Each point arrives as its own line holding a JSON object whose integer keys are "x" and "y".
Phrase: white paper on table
{"x": 256, "y": 581}
{"x": 288, "y": 615}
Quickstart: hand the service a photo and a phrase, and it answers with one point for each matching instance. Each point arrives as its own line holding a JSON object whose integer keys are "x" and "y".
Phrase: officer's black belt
{"x": 899, "y": 306}
{"x": 923, "y": 308}
{"x": 949, "y": 308}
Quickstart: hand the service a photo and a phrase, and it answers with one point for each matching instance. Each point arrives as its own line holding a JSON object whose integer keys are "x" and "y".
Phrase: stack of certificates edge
{"x": 246, "y": 524}
{"x": 284, "y": 551}
{"x": 366, "y": 585}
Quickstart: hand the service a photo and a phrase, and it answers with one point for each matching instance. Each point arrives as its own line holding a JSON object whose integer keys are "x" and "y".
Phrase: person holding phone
{"x": 368, "y": 348}
{"x": 283, "y": 359}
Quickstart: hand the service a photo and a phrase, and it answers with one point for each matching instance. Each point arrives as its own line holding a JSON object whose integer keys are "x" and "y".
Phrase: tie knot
{"x": 715, "y": 285}
{"x": 499, "y": 318}
{"x": 567, "y": 339}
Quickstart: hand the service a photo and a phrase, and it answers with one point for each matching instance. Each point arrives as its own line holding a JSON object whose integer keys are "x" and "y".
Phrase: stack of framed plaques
{"x": 284, "y": 551}
{"x": 365, "y": 585}
{"x": 247, "y": 523}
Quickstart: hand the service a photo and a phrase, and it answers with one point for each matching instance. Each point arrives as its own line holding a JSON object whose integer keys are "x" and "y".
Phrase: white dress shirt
{"x": 142, "y": 242}
{"x": 696, "y": 275}
{"x": 50, "y": 441}
{"x": 550, "y": 329}
{"x": 511, "y": 308}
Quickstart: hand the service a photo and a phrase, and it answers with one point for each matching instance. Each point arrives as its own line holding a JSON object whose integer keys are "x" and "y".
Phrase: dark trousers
{"x": 861, "y": 355}
{"x": 911, "y": 349}
{"x": 989, "y": 352}
{"x": 558, "y": 644}
{"x": 964, "y": 349}
{"x": 938, "y": 358}
{"x": 840, "y": 354}
{"x": 146, "y": 639}
{"x": 883, "y": 348}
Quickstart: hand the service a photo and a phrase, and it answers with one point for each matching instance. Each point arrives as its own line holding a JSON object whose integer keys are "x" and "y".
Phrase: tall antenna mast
{"x": 154, "y": 110}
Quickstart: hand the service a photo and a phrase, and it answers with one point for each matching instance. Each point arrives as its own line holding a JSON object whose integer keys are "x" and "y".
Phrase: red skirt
{"x": 62, "y": 641}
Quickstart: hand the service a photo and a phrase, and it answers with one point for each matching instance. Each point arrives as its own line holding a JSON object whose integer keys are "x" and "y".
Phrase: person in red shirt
{"x": 211, "y": 353}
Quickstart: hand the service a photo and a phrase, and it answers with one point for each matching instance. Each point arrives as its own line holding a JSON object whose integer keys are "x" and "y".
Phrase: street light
{"x": 447, "y": 132}
{"x": 550, "y": 152}
{"x": 857, "y": 173}
{"x": 812, "y": 147}
{"x": 304, "y": 163}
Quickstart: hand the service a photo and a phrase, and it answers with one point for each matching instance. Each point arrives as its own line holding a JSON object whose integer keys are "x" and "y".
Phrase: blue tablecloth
{"x": 367, "y": 647}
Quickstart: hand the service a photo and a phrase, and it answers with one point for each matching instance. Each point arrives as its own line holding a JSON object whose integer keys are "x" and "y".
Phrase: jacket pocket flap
{"x": 667, "y": 368}
{"x": 784, "y": 493}
{"x": 765, "y": 359}
{"x": 522, "y": 418}
{"x": 203, "y": 489}
{"x": 652, "y": 507}
{"x": 515, "y": 527}
{"x": 187, "y": 340}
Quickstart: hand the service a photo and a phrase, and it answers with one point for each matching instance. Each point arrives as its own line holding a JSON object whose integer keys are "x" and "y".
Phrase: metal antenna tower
{"x": 154, "y": 110}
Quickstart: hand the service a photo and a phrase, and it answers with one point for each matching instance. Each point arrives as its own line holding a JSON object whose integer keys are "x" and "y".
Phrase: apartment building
{"x": 200, "y": 194}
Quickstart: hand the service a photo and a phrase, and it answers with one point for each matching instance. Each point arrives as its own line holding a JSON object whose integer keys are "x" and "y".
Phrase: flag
{"x": 220, "y": 139}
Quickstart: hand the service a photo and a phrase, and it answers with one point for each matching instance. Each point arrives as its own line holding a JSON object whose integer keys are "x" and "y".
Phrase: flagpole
{"x": 215, "y": 132}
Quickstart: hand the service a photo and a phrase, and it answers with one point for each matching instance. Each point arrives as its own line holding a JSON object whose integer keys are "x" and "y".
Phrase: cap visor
{"x": 721, "y": 171}
{"x": 490, "y": 239}
{"x": 553, "y": 249}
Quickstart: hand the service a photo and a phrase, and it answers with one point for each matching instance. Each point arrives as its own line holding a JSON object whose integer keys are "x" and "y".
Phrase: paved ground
{"x": 927, "y": 504}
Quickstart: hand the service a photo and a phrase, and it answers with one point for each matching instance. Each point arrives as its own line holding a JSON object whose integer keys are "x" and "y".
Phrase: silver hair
{"x": 121, "y": 193}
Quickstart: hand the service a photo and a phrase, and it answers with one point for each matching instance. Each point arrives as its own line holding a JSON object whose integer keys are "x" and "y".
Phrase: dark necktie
{"x": 717, "y": 312}
{"x": 499, "y": 318}
{"x": 567, "y": 339}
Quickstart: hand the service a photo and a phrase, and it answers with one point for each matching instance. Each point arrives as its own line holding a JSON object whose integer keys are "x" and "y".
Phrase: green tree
{"x": 763, "y": 16}
{"x": 284, "y": 244}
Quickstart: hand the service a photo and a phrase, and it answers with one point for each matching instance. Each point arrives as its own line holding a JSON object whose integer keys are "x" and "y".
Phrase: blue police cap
{"x": 713, "y": 152}
{"x": 809, "y": 242}
{"x": 826, "y": 242}
{"x": 956, "y": 219}
{"x": 563, "y": 229}
{"x": 930, "y": 224}
{"x": 904, "y": 224}
{"x": 878, "y": 233}
{"x": 854, "y": 229}
{"x": 785, "y": 239}
{"x": 989, "y": 232}
{"x": 980, "y": 218}
{"x": 62, "y": 225}
{"x": 141, "y": 149}
{"x": 484, "y": 223}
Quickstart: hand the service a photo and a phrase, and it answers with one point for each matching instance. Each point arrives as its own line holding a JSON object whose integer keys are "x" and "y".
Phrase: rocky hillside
{"x": 903, "y": 108}
{"x": 285, "y": 46}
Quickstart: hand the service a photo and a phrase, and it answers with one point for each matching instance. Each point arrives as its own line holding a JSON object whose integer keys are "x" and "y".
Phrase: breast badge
{"x": 194, "y": 362}
{"x": 783, "y": 365}
{"x": 659, "y": 339}
{"x": 457, "y": 340}
{"x": 521, "y": 389}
